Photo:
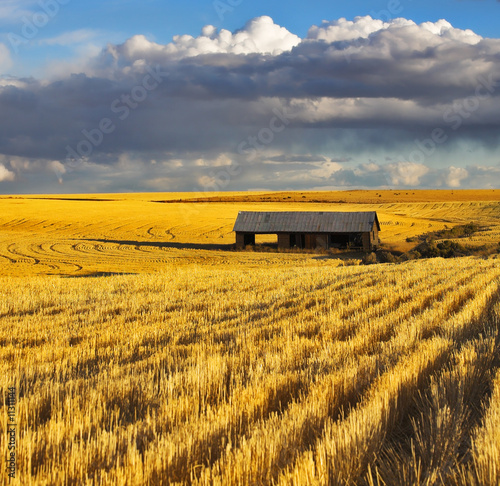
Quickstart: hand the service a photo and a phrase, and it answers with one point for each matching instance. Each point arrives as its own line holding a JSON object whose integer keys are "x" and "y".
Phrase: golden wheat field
{"x": 143, "y": 350}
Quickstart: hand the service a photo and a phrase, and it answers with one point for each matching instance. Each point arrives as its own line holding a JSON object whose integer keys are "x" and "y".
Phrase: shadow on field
{"x": 164, "y": 244}
{"x": 345, "y": 255}
{"x": 97, "y": 274}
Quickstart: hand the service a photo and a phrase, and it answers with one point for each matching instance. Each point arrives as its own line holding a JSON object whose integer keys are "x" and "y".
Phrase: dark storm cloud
{"x": 261, "y": 93}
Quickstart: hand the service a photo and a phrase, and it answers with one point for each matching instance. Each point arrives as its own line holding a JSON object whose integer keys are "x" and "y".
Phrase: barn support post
{"x": 322, "y": 241}
{"x": 244, "y": 239}
{"x": 283, "y": 240}
{"x": 367, "y": 246}
{"x": 240, "y": 241}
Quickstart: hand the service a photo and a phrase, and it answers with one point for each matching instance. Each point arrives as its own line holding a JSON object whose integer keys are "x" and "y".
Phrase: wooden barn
{"x": 310, "y": 230}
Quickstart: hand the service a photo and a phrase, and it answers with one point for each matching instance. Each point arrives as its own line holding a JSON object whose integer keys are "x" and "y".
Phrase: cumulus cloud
{"x": 343, "y": 30}
{"x": 348, "y": 30}
{"x": 260, "y": 35}
{"x": 364, "y": 58}
{"x": 456, "y": 175}
{"x": 5, "y": 174}
{"x": 306, "y": 111}
{"x": 406, "y": 173}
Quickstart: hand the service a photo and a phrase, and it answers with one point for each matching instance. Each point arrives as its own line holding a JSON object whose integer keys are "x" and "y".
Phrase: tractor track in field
{"x": 8, "y": 258}
{"x": 23, "y": 257}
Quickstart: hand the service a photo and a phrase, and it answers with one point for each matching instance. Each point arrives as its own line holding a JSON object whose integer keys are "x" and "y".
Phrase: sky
{"x": 232, "y": 95}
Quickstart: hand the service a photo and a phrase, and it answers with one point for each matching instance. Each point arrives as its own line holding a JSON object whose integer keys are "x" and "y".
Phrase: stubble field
{"x": 144, "y": 350}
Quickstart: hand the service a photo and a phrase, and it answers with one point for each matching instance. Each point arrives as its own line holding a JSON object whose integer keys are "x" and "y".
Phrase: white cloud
{"x": 406, "y": 173}
{"x": 377, "y": 110}
{"x": 370, "y": 167}
{"x": 21, "y": 164}
{"x": 345, "y": 30}
{"x": 446, "y": 30}
{"x": 58, "y": 168}
{"x": 260, "y": 35}
{"x": 11, "y": 81}
{"x": 455, "y": 176}
{"x": 325, "y": 169}
{"x": 264, "y": 36}
{"x": 24, "y": 165}
{"x": 364, "y": 27}
{"x": 5, "y": 174}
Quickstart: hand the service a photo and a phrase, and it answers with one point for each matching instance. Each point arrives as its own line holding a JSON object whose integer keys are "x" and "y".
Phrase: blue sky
{"x": 376, "y": 102}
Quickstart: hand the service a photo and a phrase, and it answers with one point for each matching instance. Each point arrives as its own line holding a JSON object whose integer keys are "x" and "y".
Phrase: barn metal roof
{"x": 305, "y": 222}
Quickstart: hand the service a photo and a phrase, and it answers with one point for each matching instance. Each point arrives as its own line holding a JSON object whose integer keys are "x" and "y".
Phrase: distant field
{"x": 355, "y": 197}
{"x": 76, "y": 235}
{"x": 144, "y": 350}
